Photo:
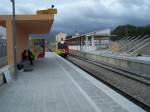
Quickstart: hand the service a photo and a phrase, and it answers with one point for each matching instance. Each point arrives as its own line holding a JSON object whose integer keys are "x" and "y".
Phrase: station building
{"x": 39, "y": 23}
{"x": 90, "y": 41}
{"x": 26, "y": 25}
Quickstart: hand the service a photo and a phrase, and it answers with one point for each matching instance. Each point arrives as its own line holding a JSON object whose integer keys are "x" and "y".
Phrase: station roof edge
{"x": 28, "y": 17}
{"x": 84, "y": 35}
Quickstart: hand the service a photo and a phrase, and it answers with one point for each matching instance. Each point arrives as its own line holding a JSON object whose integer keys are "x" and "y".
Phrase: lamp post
{"x": 126, "y": 30}
{"x": 14, "y": 38}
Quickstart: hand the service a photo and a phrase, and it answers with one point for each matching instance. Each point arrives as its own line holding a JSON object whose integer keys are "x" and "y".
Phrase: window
{"x": 62, "y": 46}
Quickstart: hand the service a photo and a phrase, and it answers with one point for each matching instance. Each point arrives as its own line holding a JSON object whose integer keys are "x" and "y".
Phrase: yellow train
{"x": 62, "y": 49}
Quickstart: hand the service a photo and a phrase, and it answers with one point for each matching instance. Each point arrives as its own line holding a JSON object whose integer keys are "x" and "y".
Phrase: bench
{"x": 25, "y": 66}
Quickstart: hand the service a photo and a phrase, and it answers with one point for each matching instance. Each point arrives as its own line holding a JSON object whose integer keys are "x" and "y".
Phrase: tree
{"x": 130, "y": 30}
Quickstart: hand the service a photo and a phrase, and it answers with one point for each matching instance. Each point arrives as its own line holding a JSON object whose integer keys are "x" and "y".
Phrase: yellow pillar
{"x": 9, "y": 31}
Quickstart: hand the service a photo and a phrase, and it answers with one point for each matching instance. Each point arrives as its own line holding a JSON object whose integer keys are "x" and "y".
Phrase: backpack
{"x": 19, "y": 66}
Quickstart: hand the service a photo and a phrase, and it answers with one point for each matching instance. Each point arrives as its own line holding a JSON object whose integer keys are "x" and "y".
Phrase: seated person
{"x": 31, "y": 56}
{"x": 27, "y": 55}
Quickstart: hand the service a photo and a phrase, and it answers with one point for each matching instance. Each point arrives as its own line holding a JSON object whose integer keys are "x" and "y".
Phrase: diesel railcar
{"x": 62, "y": 49}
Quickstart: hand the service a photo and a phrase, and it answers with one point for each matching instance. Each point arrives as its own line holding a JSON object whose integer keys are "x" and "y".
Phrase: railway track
{"x": 133, "y": 86}
{"x": 125, "y": 73}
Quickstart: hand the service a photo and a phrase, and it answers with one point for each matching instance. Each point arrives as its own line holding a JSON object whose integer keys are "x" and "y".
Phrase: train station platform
{"x": 56, "y": 85}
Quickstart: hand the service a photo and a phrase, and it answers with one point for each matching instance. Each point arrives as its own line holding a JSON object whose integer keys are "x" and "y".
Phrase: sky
{"x": 86, "y": 15}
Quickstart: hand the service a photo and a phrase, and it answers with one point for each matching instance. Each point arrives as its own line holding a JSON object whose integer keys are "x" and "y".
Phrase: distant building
{"x": 2, "y": 37}
{"x": 91, "y": 41}
{"x": 60, "y": 36}
{"x": 3, "y": 51}
{"x": 2, "y": 42}
{"x": 103, "y": 32}
{"x": 2, "y": 33}
{"x": 68, "y": 37}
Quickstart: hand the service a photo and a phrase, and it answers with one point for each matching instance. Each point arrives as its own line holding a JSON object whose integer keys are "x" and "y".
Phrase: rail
{"x": 140, "y": 99}
{"x": 129, "y": 74}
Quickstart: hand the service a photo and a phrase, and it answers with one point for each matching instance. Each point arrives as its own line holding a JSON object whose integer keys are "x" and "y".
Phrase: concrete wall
{"x": 114, "y": 46}
{"x": 145, "y": 50}
{"x": 139, "y": 67}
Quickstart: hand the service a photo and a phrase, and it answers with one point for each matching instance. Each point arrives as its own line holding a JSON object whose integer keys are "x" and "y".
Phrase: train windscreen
{"x": 62, "y": 46}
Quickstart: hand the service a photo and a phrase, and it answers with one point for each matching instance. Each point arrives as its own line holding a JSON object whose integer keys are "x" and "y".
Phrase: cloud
{"x": 87, "y": 15}
{"x": 82, "y": 16}
{"x": 5, "y": 8}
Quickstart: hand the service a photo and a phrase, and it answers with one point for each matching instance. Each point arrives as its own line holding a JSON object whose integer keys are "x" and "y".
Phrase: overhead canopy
{"x": 39, "y": 24}
{"x": 25, "y": 25}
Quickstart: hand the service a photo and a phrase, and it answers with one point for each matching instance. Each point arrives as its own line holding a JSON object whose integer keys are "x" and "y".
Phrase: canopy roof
{"x": 38, "y": 24}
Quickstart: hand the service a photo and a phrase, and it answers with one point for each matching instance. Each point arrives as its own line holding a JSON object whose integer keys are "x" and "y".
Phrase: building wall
{"x": 22, "y": 42}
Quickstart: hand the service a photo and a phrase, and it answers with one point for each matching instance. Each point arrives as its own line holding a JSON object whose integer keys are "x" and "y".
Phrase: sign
{"x": 6, "y": 74}
{"x": 48, "y": 11}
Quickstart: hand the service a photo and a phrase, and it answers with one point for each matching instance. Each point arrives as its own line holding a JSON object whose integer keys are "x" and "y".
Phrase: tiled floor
{"x": 56, "y": 85}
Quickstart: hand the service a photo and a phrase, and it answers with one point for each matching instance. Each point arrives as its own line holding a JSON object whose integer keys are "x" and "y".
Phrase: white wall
{"x": 104, "y": 44}
{"x": 60, "y": 35}
{"x": 83, "y": 48}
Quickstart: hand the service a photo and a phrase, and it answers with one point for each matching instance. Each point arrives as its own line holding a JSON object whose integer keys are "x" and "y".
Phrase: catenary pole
{"x": 14, "y": 38}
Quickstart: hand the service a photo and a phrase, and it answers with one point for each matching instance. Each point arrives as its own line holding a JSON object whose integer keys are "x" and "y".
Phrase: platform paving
{"x": 56, "y": 85}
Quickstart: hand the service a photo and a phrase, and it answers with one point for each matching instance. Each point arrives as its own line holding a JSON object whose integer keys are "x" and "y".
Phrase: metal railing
{"x": 126, "y": 40}
{"x": 132, "y": 45}
{"x": 139, "y": 45}
{"x": 129, "y": 43}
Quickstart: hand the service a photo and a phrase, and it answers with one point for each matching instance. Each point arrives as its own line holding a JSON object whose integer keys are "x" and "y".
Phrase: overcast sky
{"x": 86, "y": 15}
